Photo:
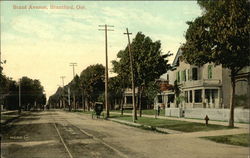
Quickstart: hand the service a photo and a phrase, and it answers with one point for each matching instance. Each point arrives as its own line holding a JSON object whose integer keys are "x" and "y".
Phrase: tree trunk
{"x": 232, "y": 97}
{"x": 136, "y": 104}
{"x": 140, "y": 108}
{"x": 121, "y": 103}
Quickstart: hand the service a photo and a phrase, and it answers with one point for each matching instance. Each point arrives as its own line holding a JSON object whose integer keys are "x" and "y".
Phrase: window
{"x": 186, "y": 96}
{"x": 210, "y": 71}
{"x": 183, "y": 75}
{"x": 195, "y": 73}
{"x": 160, "y": 100}
{"x": 178, "y": 76}
{"x": 211, "y": 95}
{"x": 188, "y": 77}
{"x": 197, "y": 96}
{"x": 129, "y": 99}
{"x": 190, "y": 96}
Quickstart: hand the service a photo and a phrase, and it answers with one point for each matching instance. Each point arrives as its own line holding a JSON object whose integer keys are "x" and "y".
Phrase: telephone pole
{"x": 62, "y": 77}
{"x": 73, "y": 65}
{"x": 106, "y": 67}
{"x": 132, "y": 76}
{"x": 74, "y": 98}
{"x": 20, "y": 106}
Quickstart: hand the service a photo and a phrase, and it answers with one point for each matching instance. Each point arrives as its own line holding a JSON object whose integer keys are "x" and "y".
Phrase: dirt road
{"x": 56, "y": 134}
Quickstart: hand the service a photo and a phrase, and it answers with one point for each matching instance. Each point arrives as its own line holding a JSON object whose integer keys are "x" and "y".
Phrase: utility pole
{"x": 73, "y": 65}
{"x": 69, "y": 98}
{"x": 20, "y": 106}
{"x": 132, "y": 77}
{"x": 62, "y": 77}
{"x": 74, "y": 98}
{"x": 106, "y": 67}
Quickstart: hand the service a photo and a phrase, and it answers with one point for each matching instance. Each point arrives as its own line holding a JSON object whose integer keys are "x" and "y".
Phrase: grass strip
{"x": 177, "y": 125}
{"x": 237, "y": 139}
{"x": 148, "y": 128}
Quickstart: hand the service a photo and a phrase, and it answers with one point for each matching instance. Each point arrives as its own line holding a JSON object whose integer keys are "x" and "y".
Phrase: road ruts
{"x": 80, "y": 143}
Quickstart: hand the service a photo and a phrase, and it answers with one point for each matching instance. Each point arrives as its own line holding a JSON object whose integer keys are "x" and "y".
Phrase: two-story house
{"x": 207, "y": 86}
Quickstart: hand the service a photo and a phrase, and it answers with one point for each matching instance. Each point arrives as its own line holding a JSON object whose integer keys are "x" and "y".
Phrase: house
{"x": 128, "y": 103}
{"x": 165, "y": 98}
{"x": 207, "y": 86}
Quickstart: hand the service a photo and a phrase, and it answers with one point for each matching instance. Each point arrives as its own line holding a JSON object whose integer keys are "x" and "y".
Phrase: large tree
{"x": 31, "y": 92}
{"x": 92, "y": 82}
{"x": 149, "y": 62}
{"x": 221, "y": 36}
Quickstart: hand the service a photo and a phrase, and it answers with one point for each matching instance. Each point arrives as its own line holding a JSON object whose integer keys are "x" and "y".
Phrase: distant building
{"x": 166, "y": 96}
{"x": 128, "y": 103}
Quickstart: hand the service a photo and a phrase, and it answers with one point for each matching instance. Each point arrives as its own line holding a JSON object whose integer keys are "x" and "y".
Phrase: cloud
{"x": 33, "y": 27}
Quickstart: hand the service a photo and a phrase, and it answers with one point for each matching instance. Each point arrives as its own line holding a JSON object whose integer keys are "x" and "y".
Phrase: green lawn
{"x": 145, "y": 112}
{"x": 239, "y": 139}
{"x": 183, "y": 126}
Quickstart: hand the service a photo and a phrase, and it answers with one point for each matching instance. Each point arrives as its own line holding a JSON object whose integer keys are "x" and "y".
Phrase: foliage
{"x": 151, "y": 92}
{"x": 241, "y": 101}
{"x": 149, "y": 63}
{"x": 221, "y": 35}
{"x": 116, "y": 90}
{"x": 31, "y": 92}
{"x": 92, "y": 79}
{"x": 148, "y": 60}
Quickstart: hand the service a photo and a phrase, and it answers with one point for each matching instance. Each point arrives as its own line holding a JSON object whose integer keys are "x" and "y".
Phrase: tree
{"x": 31, "y": 92}
{"x": 115, "y": 90}
{"x": 221, "y": 36}
{"x": 75, "y": 86}
{"x": 92, "y": 81}
{"x": 149, "y": 62}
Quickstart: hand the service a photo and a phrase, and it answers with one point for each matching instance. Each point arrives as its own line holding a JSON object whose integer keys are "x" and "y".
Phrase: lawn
{"x": 238, "y": 139}
{"x": 144, "y": 112}
{"x": 177, "y": 125}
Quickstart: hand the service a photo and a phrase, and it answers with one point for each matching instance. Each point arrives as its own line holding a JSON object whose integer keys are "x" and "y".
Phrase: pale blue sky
{"x": 41, "y": 43}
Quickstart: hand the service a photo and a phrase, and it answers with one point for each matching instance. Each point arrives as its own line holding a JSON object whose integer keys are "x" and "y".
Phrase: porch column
{"x": 203, "y": 98}
{"x": 125, "y": 100}
{"x": 219, "y": 99}
{"x": 166, "y": 100}
{"x": 193, "y": 99}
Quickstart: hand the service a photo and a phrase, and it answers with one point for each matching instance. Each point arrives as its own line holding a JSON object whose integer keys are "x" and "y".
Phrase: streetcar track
{"x": 91, "y": 136}
{"x": 65, "y": 146}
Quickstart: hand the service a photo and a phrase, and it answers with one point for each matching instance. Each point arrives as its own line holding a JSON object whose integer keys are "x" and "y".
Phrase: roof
{"x": 176, "y": 59}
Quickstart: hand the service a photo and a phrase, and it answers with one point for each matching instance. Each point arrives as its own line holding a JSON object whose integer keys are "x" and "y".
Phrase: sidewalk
{"x": 240, "y": 125}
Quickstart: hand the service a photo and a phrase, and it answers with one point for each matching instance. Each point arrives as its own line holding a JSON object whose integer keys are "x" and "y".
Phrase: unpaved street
{"x": 57, "y": 134}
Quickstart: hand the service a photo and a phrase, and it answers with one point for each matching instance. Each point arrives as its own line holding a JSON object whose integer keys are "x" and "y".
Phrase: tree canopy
{"x": 149, "y": 62}
{"x": 32, "y": 92}
{"x": 220, "y": 35}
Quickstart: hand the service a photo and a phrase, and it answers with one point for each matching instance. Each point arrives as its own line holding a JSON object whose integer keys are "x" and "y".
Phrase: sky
{"x": 40, "y": 43}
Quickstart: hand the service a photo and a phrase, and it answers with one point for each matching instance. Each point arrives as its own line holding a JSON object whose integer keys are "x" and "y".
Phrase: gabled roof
{"x": 177, "y": 56}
